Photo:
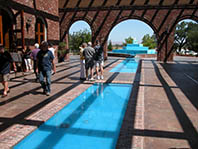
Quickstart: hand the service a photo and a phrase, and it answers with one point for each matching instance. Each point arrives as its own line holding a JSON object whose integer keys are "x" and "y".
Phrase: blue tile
{"x": 92, "y": 120}
{"x": 129, "y": 65}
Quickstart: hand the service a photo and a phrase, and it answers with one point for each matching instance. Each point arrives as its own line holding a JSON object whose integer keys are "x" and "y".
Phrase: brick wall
{"x": 49, "y": 13}
{"x": 160, "y": 21}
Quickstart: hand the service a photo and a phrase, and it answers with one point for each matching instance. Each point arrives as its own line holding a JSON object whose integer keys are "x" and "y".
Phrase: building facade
{"x": 24, "y": 23}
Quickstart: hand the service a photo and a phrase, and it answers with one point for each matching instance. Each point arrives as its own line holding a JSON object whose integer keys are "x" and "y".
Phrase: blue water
{"x": 133, "y": 53}
{"x": 129, "y": 65}
{"x": 91, "y": 121}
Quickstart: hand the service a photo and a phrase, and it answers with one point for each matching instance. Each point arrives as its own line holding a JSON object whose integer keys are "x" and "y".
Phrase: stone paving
{"x": 161, "y": 114}
{"x": 171, "y": 105}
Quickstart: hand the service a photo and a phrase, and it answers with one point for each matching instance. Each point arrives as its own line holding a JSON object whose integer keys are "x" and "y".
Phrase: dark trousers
{"x": 45, "y": 85}
{"x": 36, "y": 74}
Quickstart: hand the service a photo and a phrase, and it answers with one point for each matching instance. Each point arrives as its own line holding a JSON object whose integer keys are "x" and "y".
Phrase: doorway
{"x": 6, "y": 29}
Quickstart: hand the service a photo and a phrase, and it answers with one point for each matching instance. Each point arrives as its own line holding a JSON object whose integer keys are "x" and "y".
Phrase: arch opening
{"x": 79, "y": 32}
{"x": 186, "y": 38}
{"x": 133, "y": 29}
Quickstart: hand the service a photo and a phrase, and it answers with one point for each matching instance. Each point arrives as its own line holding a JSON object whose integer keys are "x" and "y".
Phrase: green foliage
{"x": 186, "y": 36}
{"x": 180, "y": 35}
{"x": 192, "y": 37}
{"x": 149, "y": 41}
{"x": 110, "y": 46}
{"x": 128, "y": 40}
{"x": 77, "y": 38}
{"x": 117, "y": 46}
{"x": 62, "y": 45}
{"x": 62, "y": 51}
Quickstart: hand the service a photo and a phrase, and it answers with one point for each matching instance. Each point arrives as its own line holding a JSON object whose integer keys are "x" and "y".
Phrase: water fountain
{"x": 133, "y": 49}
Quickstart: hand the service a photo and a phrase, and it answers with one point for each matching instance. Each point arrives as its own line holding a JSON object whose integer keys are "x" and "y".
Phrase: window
{"x": 40, "y": 31}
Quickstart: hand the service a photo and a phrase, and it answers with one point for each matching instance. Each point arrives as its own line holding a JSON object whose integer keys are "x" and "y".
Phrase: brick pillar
{"x": 56, "y": 53}
{"x": 67, "y": 46}
{"x": 165, "y": 53}
{"x": 105, "y": 51}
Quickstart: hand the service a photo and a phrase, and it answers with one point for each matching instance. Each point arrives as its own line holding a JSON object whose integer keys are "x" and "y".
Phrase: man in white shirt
{"x": 51, "y": 48}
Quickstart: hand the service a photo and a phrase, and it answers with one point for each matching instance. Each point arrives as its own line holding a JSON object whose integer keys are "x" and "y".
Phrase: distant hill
{"x": 117, "y": 42}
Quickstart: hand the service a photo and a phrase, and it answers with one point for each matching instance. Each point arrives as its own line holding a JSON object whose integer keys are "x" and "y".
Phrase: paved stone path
{"x": 165, "y": 99}
{"x": 162, "y": 111}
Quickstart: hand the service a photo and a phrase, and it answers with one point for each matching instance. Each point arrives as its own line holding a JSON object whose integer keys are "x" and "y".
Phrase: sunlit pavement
{"x": 162, "y": 111}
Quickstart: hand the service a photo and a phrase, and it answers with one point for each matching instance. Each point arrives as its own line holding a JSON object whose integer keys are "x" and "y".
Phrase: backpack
{"x": 98, "y": 52}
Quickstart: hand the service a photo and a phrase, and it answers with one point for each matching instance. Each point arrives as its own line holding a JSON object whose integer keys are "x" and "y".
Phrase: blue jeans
{"x": 45, "y": 85}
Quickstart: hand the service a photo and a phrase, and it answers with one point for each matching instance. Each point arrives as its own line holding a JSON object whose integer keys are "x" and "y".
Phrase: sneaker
{"x": 92, "y": 79}
{"x": 98, "y": 77}
{"x": 82, "y": 79}
{"x": 44, "y": 92}
{"x": 4, "y": 95}
{"x": 101, "y": 77}
{"x": 47, "y": 94}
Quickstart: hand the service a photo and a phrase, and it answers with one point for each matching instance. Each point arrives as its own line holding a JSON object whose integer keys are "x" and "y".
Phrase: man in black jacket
{"x": 99, "y": 60}
{"x": 5, "y": 60}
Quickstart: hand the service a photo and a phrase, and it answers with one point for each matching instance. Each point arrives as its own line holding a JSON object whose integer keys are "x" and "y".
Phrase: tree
{"x": 77, "y": 38}
{"x": 181, "y": 35}
{"x": 186, "y": 36}
{"x": 117, "y": 46}
{"x": 192, "y": 37}
{"x": 128, "y": 40}
{"x": 149, "y": 41}
{"x": 110, "y": 46}
{"x": 62, "y": 51}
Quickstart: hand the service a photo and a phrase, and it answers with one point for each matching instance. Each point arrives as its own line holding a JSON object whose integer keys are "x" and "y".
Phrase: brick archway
{"x": 161, "y": 16}
{"x": 87, "y": 20}
{"x": 135, "y": 18}
{"x": 194, "y": 18}
{"x": 10, "y": 13}
{"x": 66, "y": 25}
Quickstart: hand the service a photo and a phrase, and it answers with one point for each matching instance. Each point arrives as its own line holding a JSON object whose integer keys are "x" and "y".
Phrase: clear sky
{"x": 79, "y": 25}
{"x": 134, "y": 28}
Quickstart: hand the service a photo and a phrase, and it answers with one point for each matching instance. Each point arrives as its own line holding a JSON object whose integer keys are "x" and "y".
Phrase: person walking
{"x": 52, "y": 49}
{"x": 27, "y": 59}
{"x": 5, "y": 60}
{"x": 99, "y": 58}
{"x": 33, "y": 57}
{"x": 45, "y": 62}
{"x": 82, "y": 62}
{"x": 89, "y": 60}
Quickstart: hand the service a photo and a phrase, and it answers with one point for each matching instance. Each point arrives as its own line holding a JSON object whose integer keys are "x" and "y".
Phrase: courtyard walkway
{"x": 162, "y": 111}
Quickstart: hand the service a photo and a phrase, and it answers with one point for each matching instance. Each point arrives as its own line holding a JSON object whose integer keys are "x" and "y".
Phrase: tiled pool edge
{"x": 138, "y": 141}
{"x": 134, "y": 116}
{"x": 128, "y": 65}
{"x": 139, "y": 122}
{"x": 114, "y": 115}
{"x": 17, "y": 132}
